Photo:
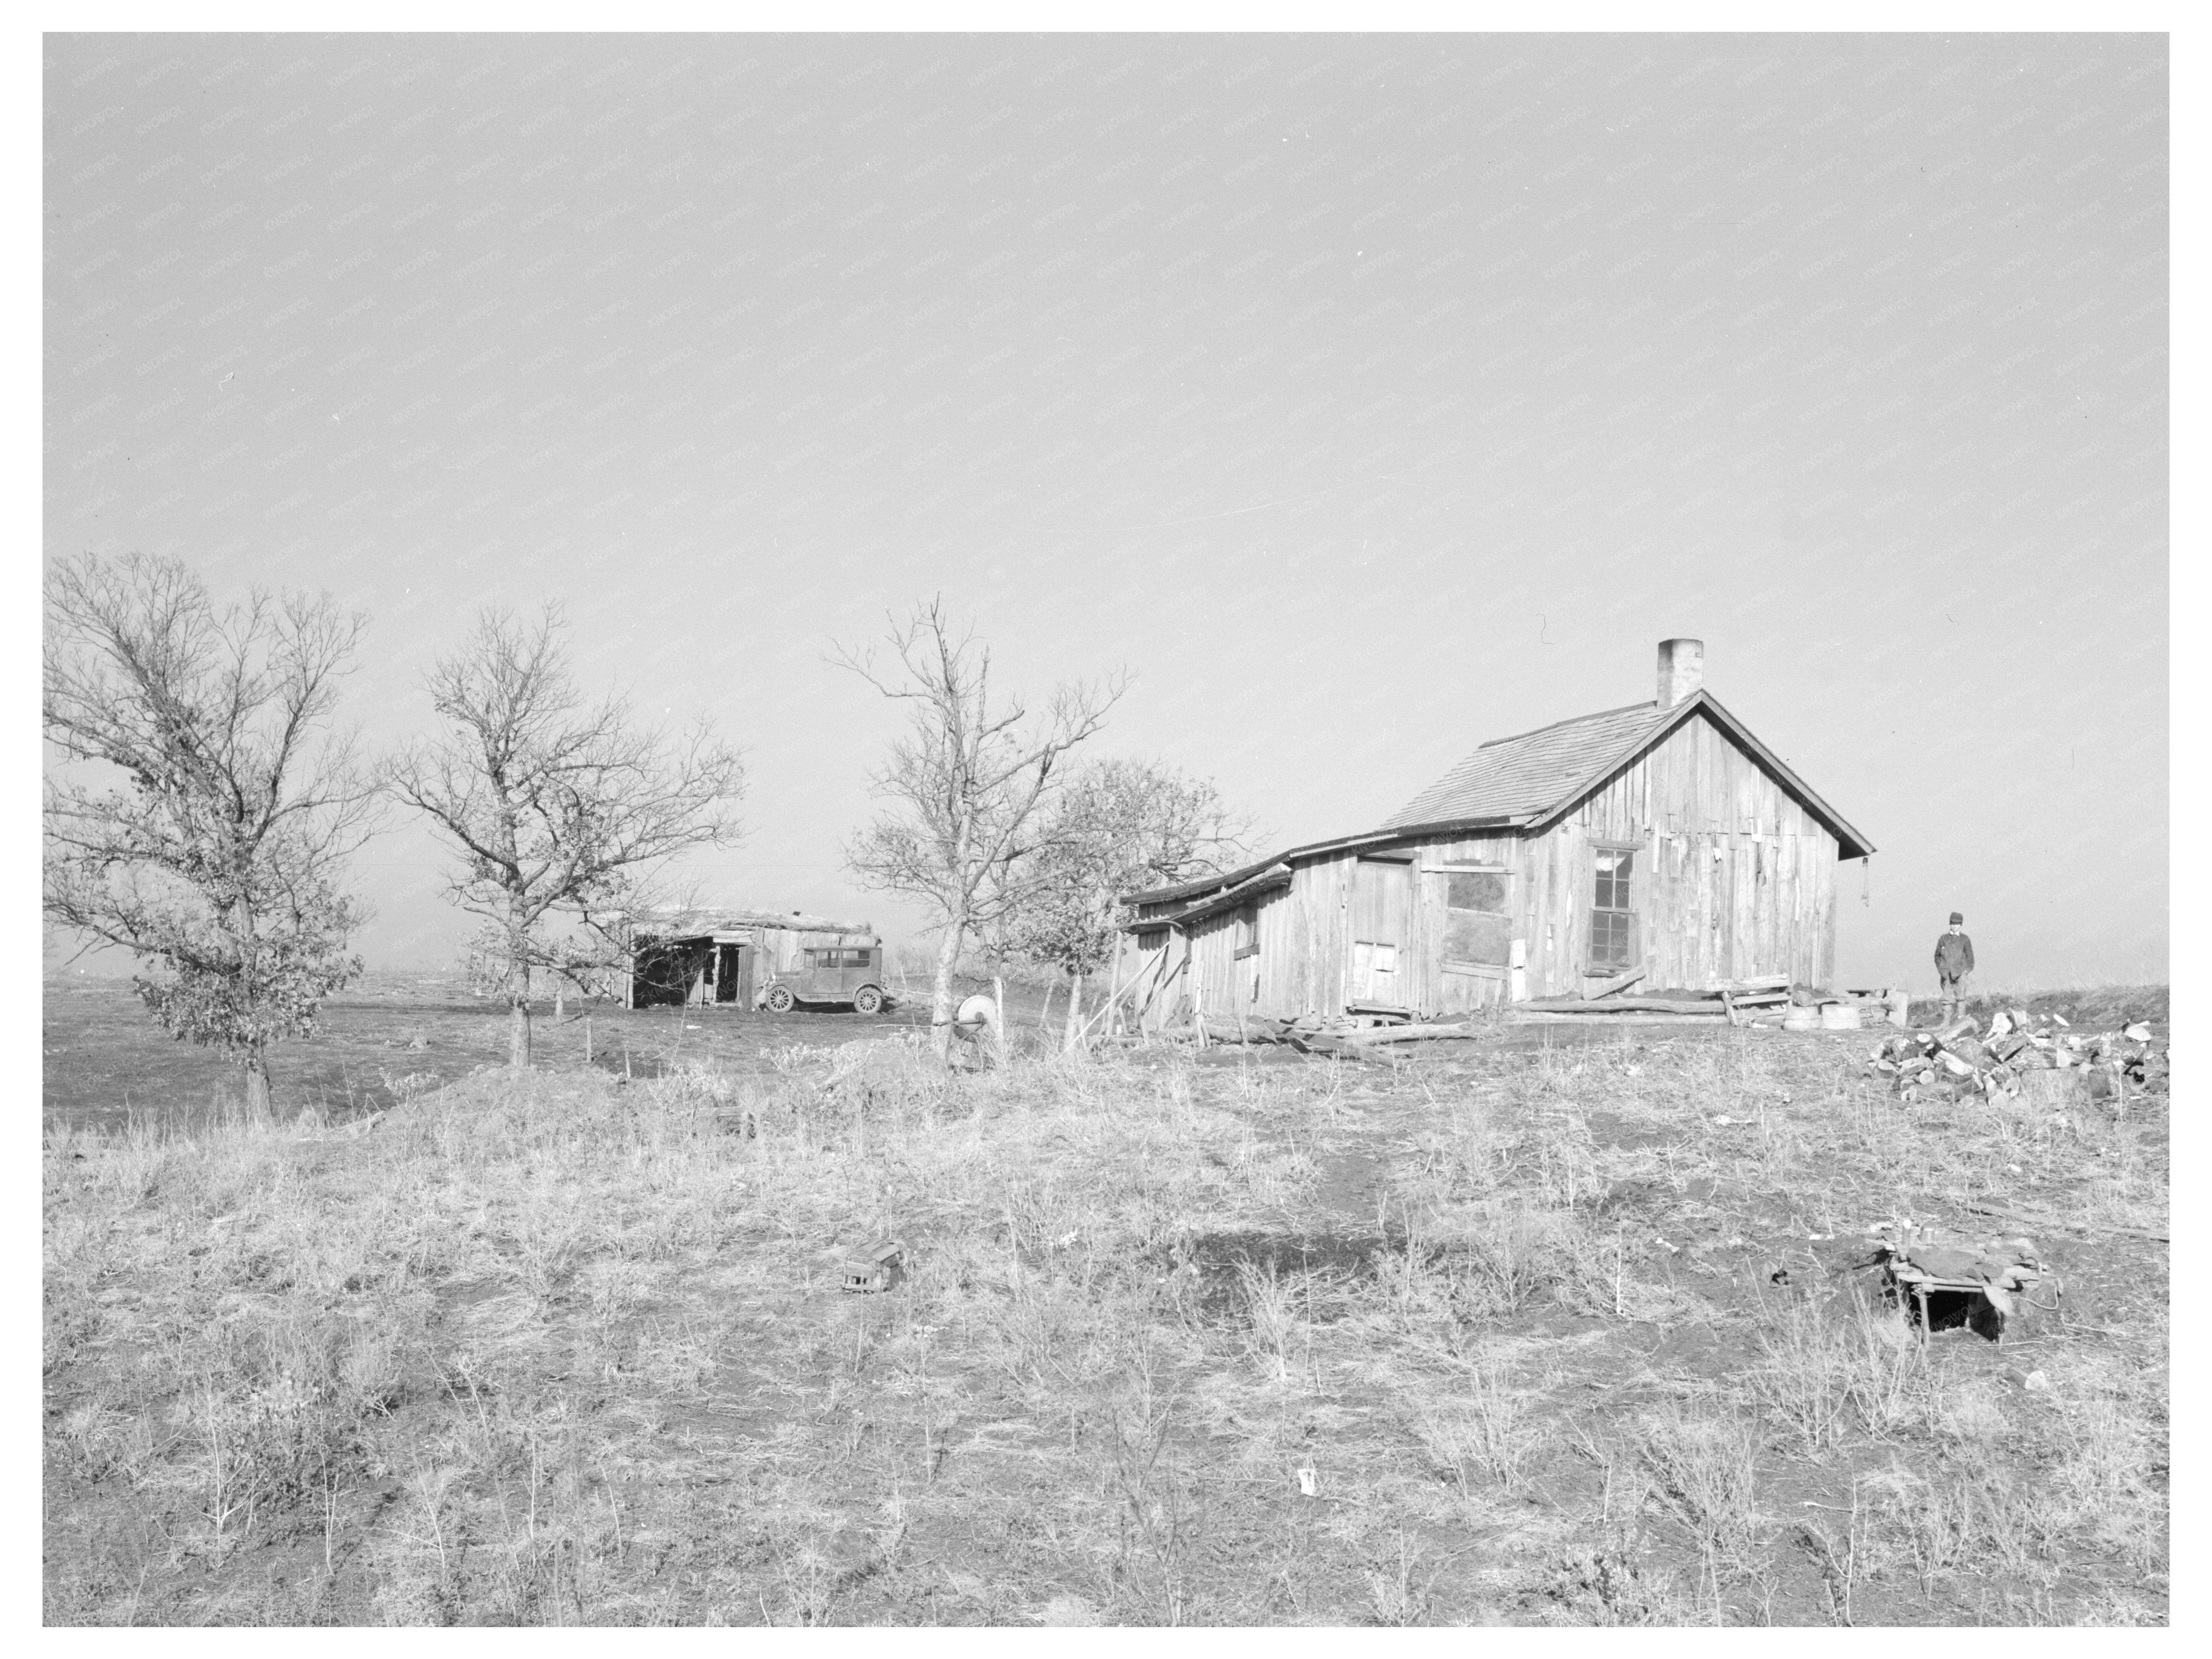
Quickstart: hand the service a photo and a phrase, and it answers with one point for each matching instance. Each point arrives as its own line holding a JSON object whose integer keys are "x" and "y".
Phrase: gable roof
{"x": 1520, "y": 785}
{"x": 1536, "y": 778}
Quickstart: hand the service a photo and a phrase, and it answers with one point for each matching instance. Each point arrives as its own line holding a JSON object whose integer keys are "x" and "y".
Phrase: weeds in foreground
{"x": 1830, "y": 1364}
{"x": 557, "y": 1350}
{"x": 1157, "y": 1519}
{"x": 1272, "y": 1303}
{"x": 1614, "y": 1583}
{"x": 1480, "y": 1429}
{"x": 1393, "y": 1595}
{"x": 1703, "y": 1473}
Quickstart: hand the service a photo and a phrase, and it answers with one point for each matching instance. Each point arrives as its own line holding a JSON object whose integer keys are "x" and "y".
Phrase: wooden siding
{"x": 1732, "y": 878}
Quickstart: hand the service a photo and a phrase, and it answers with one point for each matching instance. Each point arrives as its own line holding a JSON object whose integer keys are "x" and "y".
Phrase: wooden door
{"x": 1245, "y": 959}
{"x": 1382, "y": 916}
{"x": 1475, "y": 953}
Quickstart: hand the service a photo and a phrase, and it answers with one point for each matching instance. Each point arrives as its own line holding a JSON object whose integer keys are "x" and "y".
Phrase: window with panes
{"x": 1613, "y": 917}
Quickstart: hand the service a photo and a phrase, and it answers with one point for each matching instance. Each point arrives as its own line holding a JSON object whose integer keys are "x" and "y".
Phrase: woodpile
{"x": 2010, "y": 1057}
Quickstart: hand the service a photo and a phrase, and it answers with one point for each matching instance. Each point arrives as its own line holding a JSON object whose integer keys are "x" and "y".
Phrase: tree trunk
{"x": 518, "y": 985}
{"x": 518, "y": 994}
{"x": 1074, "y": 1032}
{"x": 940, "y": 995}
{"x": 256, "y": 1084}
{"x": 560, "y": 986}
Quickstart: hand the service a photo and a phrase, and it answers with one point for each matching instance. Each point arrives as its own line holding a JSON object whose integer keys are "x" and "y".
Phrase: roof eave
{"x": 1512, "y": 821}
{"x": 1515, "y": 822}
{"x": 1198, "y": 885}
{"x": 1275, "y": 876}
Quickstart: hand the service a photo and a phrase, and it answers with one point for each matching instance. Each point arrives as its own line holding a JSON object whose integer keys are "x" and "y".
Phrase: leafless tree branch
{"x": 555, "y": 806}
{"x": 966, "y": 780}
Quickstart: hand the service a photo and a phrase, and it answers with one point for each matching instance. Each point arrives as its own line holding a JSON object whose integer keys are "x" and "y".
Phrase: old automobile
{"x": 830, "y": 975}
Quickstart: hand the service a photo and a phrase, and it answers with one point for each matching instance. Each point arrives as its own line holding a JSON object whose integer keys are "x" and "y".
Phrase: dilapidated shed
{"x": 1662, "y": 840}
{"x": 699, "y": 958}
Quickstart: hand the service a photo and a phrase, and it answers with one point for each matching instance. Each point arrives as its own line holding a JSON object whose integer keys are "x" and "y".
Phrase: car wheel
{"x": 868, "y": 1001}
{"x": 779, "y": 999}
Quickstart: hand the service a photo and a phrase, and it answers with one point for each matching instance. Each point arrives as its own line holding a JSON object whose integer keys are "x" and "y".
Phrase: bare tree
{"x": 1117, "y": 826}
{"x": 560, "y": 811}
{"x": 218, "y": 853}
{"x": 967, "y": 783}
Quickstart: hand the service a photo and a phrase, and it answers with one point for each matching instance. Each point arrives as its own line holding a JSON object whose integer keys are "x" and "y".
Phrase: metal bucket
{"x": 1800, "y": 1019}
{"x": 1839, "y": 1016}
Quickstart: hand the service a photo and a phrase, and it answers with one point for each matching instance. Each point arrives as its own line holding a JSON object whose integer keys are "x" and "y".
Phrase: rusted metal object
{"x": 1997, "y": 1276}
{"x": 875, "y": 1268}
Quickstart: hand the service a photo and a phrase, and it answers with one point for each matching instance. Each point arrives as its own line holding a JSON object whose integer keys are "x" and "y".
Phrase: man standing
{"x": 1954, "y": 960}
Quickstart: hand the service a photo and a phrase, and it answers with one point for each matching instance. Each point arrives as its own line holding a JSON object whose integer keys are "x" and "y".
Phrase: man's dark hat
{"x": 1956, "y": 919}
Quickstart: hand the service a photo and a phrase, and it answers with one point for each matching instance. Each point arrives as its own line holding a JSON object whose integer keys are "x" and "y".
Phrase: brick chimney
{"x": 1682, "y": 670}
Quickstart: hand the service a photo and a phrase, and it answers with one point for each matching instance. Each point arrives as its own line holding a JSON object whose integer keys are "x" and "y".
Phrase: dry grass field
{"x": 391, "y": 1036}
{"x": 1506, "y": 1335}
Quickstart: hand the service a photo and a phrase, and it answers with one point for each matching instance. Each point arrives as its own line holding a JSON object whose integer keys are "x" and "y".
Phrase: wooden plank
{"x": 1617, "y": 1005}
{"x": 1606, "y": 987}
{"x": 1383, "y": 1036}
{"x": 1526, "y": 1016}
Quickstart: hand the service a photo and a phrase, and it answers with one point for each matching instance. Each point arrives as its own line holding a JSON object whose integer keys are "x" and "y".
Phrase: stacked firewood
{"x": 1961, "y": 1059}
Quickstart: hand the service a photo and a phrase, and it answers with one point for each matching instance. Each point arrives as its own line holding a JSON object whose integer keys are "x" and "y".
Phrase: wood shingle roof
{"x": 1530, "y": 774}
{"x": 1539, "y": 776}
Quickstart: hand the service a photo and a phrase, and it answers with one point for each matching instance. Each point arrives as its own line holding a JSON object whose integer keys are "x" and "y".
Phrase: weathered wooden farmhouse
{"x": 701, "y": 959}
{"x": 1662, "y": 838}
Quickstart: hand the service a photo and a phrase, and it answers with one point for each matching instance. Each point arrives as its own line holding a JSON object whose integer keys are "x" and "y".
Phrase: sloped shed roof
{"x": 676, "y": 922}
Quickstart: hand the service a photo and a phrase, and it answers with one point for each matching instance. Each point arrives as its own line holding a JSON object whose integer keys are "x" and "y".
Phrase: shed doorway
{"x": 733, "y": 975}
{"x": 1381, "y": 914}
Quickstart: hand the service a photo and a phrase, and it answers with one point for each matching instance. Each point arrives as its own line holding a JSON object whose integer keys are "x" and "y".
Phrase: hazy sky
{"x": 1367, "y": 398}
